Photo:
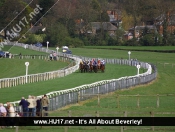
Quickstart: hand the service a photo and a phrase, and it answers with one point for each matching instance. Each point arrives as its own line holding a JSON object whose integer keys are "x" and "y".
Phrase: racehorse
{"x": 98, "y": 65}
{"x": 86, "y": 67}
{"x": 102, "y": 67}
{"x": 95, "y": 68}
{"x": 81, "y": 67}
{"x": 90, "y": 66}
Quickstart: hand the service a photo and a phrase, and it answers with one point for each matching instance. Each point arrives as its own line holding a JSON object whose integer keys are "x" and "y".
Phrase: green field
{"x": 137, "y": 48}
{"x": 16, "y": 67}
{"x": 152, "y": 57}
{"x": 70, "y": 81}
{"x": 163, "y": 85}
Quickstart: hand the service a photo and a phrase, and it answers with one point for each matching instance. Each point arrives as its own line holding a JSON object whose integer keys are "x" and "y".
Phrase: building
{"x": 169, "y": 18}
{"x": 94, "y": 27}
{"x": 139, "y": 31}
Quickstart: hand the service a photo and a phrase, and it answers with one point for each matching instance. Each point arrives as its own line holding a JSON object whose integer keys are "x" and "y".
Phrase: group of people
{"x": 7, "y": 110}
{"x": 53, "y": 56}
{"x": 33, "y": 106}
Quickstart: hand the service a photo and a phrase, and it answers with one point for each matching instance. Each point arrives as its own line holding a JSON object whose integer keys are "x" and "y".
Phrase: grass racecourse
{"x": 163, "y": 85}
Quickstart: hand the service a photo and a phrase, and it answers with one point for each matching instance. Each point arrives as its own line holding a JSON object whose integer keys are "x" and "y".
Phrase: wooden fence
{"x": 115, "y": 115}
{"x": 165, "y": 64}
{"x": 137, "y": 99}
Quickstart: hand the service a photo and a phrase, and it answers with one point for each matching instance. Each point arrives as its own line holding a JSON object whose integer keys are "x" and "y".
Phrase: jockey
{"x": 103, "y": 62}
{"x": 81, "y": 62}
{"x": 98, "y": 62}
{"x": 84, "y": 62}
{"x": 88, "y": 62}
{"x": 94, "y": 63}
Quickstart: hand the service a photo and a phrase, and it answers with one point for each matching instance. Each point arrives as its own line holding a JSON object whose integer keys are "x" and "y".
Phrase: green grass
{"x": 70, "y": 81}
{"x": 16, "y": 67}
{"x": 158, "y": 48}
{"x": 152, "y": 57}
{"x": 18, "y": 50}
{"x": 82, "y": 129}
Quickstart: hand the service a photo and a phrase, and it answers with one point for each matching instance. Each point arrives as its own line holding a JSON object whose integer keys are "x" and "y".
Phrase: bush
{"x": 73, "y": 42}
{"x": 33, "y": 38}
{"x": 132, "y": 42}
{"x": 147, "y": 40}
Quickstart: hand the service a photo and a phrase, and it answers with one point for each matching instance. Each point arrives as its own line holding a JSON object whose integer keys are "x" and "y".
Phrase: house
{"x": 139, "y": 31}
{"x": 170, "y": 18}
{"x": 115, "y": 17}
{"x": 128, "y": 36}
{"x": 33, "y": 29}
{"x": 80, "y": 26}
{"x": 94, "y": 27}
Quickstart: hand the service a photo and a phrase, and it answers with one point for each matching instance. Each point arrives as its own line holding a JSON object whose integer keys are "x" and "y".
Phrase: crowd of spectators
{"x": 30, "y": 107}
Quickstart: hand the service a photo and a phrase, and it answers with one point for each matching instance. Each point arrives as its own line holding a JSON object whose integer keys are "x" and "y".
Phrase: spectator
{"x": 32, "y": 106}
{"x": 45, "y": 103}
{"x": 7, "y": 106}
{"x": 7, "y": 55}
{"x": 10, "y": 55}
{"x": 55, "y": 56}
{"x": 3, "y": 113}
{"x": 20, "y": 55}
{"x": 24, "y": 105}
{"x": 38, "y": 106}
{"x": 12, "y": 113}
{"x": 51, "y": 56}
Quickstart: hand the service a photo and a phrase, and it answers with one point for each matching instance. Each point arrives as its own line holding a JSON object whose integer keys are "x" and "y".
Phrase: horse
{"x": 95, "y": 68}
{"x": 98, "y": 64}
{"x": 102, "y": 67}
{"x": 81, "y": 67}
{"x": 90, "y": 67}
{"x": 86, "y": 67}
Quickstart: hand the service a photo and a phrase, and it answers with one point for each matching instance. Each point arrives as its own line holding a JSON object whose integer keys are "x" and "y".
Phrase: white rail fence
{"x": 14, "y": 81}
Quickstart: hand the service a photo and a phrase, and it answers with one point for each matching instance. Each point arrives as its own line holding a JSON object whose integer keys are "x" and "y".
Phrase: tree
{"x": 34, "y": 38}
{"x": 133, "y": 8}
{"x": 12, "y": 19}
{"x": 70, "y": 25}
{"x": 56, "y": 34}
{"x": 165, "y": 9}
{"x": 2, "y": 3}
{"x": 46, "y": 5}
